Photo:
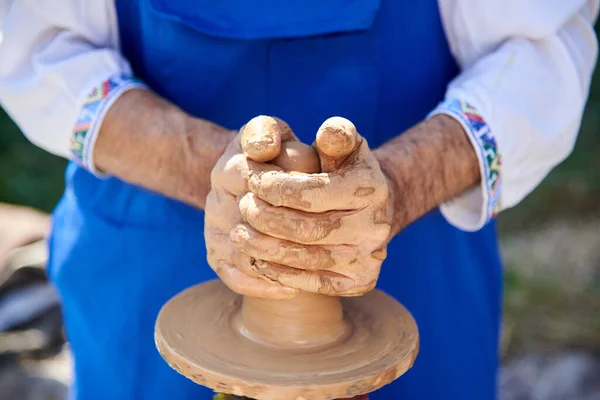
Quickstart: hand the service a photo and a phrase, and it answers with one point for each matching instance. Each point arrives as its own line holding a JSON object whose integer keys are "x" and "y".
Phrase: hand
{"x": 229, "y": 183}
{"x": 325, "y": 232}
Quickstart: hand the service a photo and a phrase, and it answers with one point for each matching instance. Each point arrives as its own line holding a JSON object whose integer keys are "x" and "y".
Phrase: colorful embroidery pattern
{"x": 489, "y": 156}
{"x": 90, "y": 117}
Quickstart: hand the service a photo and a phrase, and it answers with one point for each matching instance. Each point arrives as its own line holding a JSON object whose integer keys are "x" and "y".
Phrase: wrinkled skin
{"x": 324, "y": 233}
{"x": 229, "y": 183}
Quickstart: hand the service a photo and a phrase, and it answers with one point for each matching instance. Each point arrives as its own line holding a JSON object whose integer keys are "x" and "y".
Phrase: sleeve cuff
{"x": 91, "y": 115}
{"x": 471, "y": 210}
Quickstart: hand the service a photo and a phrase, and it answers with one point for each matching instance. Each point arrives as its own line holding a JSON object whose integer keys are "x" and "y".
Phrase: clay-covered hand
{"x": 324, "y": 232}
{"x": 229, "y": 183}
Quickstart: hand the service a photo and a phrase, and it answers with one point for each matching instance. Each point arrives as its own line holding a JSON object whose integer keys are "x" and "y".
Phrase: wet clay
{"x": 311, "y": 347}
{"x": 308, "y": 321}
{"x": 337, "y": 137}
{"x": 296, "y": 156}
{"x": 258, "y": 146}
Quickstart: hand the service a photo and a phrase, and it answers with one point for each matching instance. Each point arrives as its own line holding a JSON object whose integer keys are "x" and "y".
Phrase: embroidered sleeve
{"x": 475, "y": 208}
{"x": 91, "y": 115}
{"x": 521, "y": 86}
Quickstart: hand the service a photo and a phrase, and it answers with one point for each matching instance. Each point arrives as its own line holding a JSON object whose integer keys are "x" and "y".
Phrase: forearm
{"x": 147, "y": 141}
{"x": 426, "y": 166}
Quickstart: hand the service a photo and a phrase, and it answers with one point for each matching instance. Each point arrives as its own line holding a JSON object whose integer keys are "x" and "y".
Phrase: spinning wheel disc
{"x": 197, "y": 333}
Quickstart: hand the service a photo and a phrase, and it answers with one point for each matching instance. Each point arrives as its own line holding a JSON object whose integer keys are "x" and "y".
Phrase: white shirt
{"x": 526, "y": 67}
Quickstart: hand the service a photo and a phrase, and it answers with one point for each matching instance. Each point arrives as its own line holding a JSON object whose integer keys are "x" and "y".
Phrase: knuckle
{"x": 245, "y": 206}
{"x": 315, "y": 257}
{"x": 241, "y": 261}
{"x": 230, "y": 173}
{"x": 267, "y": 272}
{"x": 319, "y": 227}
{"x": 330, "y": 283}
{"x": 220, "y": 211}
{"x": 239, "y": 234}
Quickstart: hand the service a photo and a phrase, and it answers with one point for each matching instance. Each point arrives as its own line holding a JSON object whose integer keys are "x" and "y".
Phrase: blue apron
{"x": 119, "y": 252}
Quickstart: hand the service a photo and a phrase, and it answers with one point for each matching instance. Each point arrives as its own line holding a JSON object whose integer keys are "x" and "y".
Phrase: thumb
{"x": 337, "y": 138}
{"x": 262, "y": 137}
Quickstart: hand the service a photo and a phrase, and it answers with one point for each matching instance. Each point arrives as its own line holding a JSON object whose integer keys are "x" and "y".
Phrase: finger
{"x": 358, "y": 183}
{"x": 284, "y": 132}
{"x": 337, "y": 138}
{"x": 324, "y": 282}
{"x": 298, "y": 157}
{"x": 232, "y": 169}
{"x": 231, "y": 173}
{"x": 220, "y": 249}
{"x": 328, "y": 228}
{"x": 308, "y": 257}
{"x": 287, "y": 134}
{"x": 246, "y": 285}
{"x": 222, "y": 252}
{"x": 262, "y": 137}
{"x": 347, "y": 262}
{"x": 222, "y": 210}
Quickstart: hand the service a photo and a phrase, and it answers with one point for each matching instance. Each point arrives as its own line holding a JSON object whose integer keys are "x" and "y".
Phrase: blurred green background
{"x": 28, "y": 175}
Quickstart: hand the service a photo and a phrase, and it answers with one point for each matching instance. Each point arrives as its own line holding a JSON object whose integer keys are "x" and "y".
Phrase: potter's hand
{"x": 325, "y": 232}
{"x": 229, "y": 182}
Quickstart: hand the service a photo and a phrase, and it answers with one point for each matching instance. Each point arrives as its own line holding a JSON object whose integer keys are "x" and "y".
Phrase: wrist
{"x": 474, "y": 209}
{"x": 200, "y": 146}
{"x": 139, "y": 130}
{"x": 398, "y": 216}
{"x": 96, "y": 105}
{"x": 426, "y": 166}
{"x": 147, "y": 141}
